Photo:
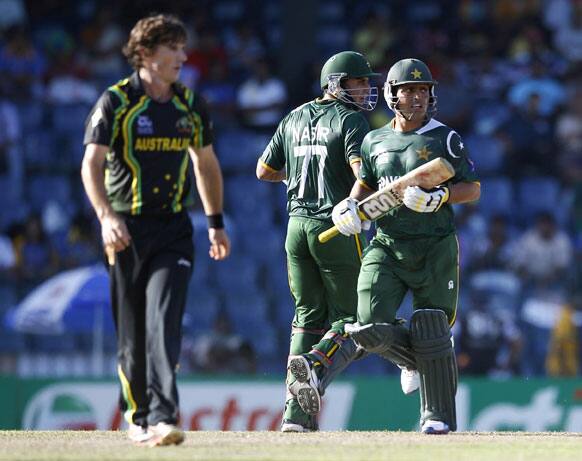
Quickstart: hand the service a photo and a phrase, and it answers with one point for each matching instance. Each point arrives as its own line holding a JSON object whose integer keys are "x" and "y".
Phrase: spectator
{"x": 529, "y": 140}
{"x": 11, "y": 158}
{"x": 563, "y": 357}
{"x": 220, "y": 93}
{"x": 36, "y": 259}
{"x": 494, "y": 252}
{"x": 551, "y": 92}
{"x": 221, "y": 350}
{"x": 22, "y": 65}
{"x": 489, "y": 341}
{"x": 543, "y": 254}
{"x": 569, "y": 138}
{"x": 81, "y": 245}
{"x": 261, "y": 99}
{"x": 244, "y": 48}
{"x": 374, "y": 39}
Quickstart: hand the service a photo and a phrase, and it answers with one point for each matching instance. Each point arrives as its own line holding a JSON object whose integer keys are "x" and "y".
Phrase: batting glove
{"x": 422, "y": 201}
{"x": 346, "y": 219}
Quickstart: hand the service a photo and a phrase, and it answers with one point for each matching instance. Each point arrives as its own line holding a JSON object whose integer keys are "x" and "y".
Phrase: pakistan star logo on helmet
{"x": 405, "y": 71}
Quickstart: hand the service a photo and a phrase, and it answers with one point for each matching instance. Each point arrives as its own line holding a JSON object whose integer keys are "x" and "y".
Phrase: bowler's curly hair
{"x": 149, "y": 32}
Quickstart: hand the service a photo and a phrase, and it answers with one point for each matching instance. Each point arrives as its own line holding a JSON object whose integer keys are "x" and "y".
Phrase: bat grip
{"x": 328, "y": 234}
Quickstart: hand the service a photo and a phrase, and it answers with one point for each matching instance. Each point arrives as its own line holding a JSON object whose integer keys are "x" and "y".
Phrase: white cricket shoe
{"x": 409, "y": 380}
{"x": 165, "y": 434}
{"x": 138, "y": 434}
{"x": 307, "y": 390}
{"x": 290, "y": 426}
{"x": 434, "y": 427}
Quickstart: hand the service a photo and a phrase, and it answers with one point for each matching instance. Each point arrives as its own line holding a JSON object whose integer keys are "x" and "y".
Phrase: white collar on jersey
{"x": 431, "y": 125}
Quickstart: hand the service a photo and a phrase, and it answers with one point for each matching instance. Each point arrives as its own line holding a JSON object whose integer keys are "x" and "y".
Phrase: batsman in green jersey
{"x": 415, "y": 247}
{"x": 316, "y": 151}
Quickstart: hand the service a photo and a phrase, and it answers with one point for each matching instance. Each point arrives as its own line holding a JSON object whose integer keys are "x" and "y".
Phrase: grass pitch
{"x": 263, "y": 446}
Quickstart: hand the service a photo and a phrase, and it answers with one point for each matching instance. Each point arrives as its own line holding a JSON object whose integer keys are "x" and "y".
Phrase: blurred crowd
{"x": 509, "y": 83}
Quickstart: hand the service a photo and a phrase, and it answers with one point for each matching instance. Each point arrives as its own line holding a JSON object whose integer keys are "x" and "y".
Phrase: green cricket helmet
{"x": 344, "y": 65}
{"x": 405, "y": 71}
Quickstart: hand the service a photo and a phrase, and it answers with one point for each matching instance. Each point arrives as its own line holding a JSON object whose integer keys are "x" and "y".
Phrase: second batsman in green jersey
{"x": 316, "y": 151}
{"x": 415, "y": 248}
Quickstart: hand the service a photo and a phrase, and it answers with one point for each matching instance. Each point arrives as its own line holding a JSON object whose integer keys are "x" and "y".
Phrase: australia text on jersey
{"x": 163, "y": 144}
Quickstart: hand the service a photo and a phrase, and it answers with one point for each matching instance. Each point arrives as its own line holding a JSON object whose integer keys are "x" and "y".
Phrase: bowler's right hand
{"x": 114, "y": 232}
{"x": 345, "y": 217}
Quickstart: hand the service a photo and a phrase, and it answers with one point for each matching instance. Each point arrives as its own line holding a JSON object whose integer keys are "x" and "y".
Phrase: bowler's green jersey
{"x": 316, "y": 144}
{"x": 388, "y": 154}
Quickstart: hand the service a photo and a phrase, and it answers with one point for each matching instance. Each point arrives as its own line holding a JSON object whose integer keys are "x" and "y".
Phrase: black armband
{"x": 215, "y": 221}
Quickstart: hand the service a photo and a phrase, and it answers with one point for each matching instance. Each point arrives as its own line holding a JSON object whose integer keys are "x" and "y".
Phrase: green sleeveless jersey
{"x": 316, "y": 143}
{"x": 388, "y": 154}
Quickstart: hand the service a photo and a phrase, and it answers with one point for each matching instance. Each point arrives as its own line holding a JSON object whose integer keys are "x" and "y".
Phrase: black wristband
{"x": 215, "y": 221}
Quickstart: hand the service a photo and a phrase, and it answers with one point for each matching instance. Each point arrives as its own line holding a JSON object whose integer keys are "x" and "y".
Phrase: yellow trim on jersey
{"x": 127, "y": 395}
{"x": 116, "y": 89}
{"x": 198, "y": 129}
{"x": 452, "y": 321}
{"x": 177, "y": 202}
{"x": 177, "y": 205}
{"x": 355, "y": 160}
{"x": 128, "y": 153}
{"x": 366, "y": 186}
{"x": 267, "y": 167}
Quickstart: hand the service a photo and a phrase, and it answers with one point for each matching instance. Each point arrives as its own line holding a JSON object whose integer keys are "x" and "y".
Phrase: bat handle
{"x": 328, "y": 234}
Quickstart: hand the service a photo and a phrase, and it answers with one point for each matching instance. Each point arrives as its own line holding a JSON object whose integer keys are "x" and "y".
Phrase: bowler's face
{"x": 166, "y": 61}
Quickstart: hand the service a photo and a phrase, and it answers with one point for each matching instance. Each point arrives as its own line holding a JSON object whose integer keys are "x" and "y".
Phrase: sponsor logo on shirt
{"x": 144, "y": 125}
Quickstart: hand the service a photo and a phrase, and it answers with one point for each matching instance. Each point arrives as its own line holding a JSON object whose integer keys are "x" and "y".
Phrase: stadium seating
{"x": 537, "y": 194}
{"x": 497, "y": 197}
{"x": 487, "y": 153}
{"x": 43, "y": 189}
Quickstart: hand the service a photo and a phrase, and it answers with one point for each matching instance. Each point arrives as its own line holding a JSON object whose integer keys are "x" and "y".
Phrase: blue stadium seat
{"x": 245, "y": 308}
{"x": 497, "y": 197}
{"x": 238, "y": 150}
{"x": 370, "y": 365}
{"x": 537, "y": 194}
{"x": 39, "y": 149}
{"x": 236, "y": 274}
{"x": 246, "y": 194}
{"x": 489, "y": 115}
{"x": 332, "y": 39}
{"x": 229, "y": 11}
{"x": 263, "y": 336}
{"x": 43, "y": 189}
{"x": 487, "y": 152}
{"x": 201, "y": 311}
{"x": 265, "y": 246}
{"x": 31, "y": 115}
{"x": 284, "y": 311}
{"x": 69, "y": 118}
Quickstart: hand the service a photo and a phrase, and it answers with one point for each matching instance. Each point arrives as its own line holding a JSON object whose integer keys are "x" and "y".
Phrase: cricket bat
{"x": 427, "y": 176}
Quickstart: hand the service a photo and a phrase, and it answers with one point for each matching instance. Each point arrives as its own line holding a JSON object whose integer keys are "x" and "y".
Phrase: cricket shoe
{"x": 409, "y": 380}
{"x": 434, "y": 427}
{"x": 290, "y": 426}
{"x": 306, "y": 386}
{"x": 138, "y": 434}
{"x": 165, "y": 434}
